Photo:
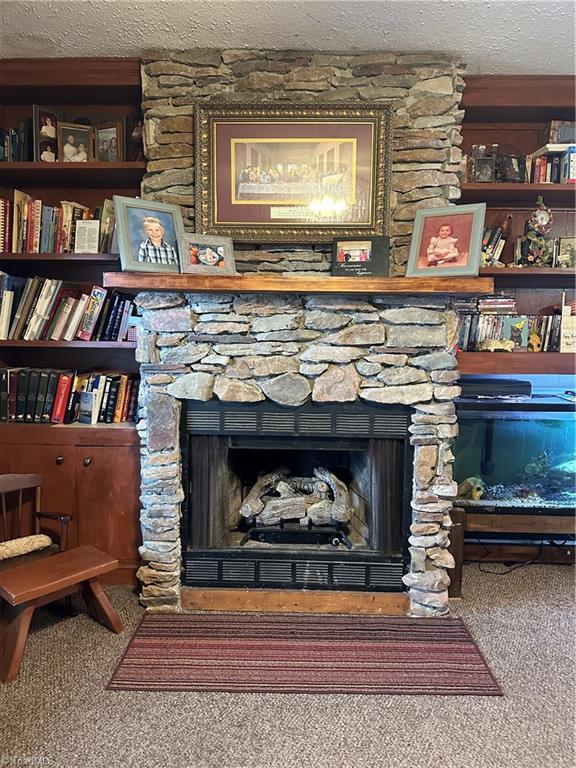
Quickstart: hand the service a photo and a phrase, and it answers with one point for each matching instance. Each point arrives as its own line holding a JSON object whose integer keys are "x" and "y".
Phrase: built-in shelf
{"x": 71, "y": 344}
{"x": 516, "y": 362}
{"x": 518, "y": 195}
{"x": 92, "y": 174}
{"x": 145, "y": 281}
{"x": 67, "y": 257}
{"x": 529, "y": 277}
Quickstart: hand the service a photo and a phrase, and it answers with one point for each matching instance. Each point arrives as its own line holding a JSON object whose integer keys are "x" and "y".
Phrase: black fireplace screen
{"x": 313, "y": 497}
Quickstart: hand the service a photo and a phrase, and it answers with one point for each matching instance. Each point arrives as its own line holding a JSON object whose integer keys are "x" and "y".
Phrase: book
{"x": 111, "y": 400}
{"x": 552, "y": 148}
{"x": 31, "y": 395}
{"x": 6, "y": 313}
{"x": 53, "y": 377}
{"x": 92, "y": 313}
{"x": 29, "y": 295}
{"x": 41, "y": 396}
{"x": 61, "y": 397}
{"x": 4, "y": 384}
{"x": 75, "y": 318}
{"x": 63, "y": 316}
{"x": 19, "y": 213}
{"x": 121, "y": 398}
{"x": 21, "y": 393}
{"x": 86, "y": 407}
{"x": 568, "y": 166}
{"x": 79, "y": 384}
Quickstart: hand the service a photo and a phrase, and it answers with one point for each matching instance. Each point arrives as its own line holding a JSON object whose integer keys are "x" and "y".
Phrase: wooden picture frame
{"x": 45, "y": 121}
{"x": 75, "y": 143}
{"x": 360, "y": 256}
{"x": 437, "y": 252}
{"x": 109, "y": 143}
{"x": 293, "y": 172}
{"x": 206, "y": 254}
{"x": 148, "y": 234}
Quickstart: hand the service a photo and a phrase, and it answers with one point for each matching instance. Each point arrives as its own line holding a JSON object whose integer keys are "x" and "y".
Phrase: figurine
{"x": 496, "y": 345}
{"x": 533, "y": 251}
{"x": 538, "y": 466}
{"x": 471, "y": 488}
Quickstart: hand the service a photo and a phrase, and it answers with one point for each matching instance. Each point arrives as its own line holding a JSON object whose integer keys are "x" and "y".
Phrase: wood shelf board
{"x": 519, "y": 194}
{"x": 141, "y": 281}
{"x": 531, "y": 278}
{"x": 294, "y": 601}
{"x": 502, "y": 523}
{"x": 518, "y": 553}
{"x": 70, "y": 344}
{"x": 124, "y": 433}
{"x": 91, "y": 174}
{"x": 516, "y": 362}
{"x": 64, "y": 257}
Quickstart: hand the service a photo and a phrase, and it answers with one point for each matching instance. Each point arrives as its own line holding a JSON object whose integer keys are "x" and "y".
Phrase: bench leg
{"x": 99, "y": 607}
{"x": 15, "y": 632}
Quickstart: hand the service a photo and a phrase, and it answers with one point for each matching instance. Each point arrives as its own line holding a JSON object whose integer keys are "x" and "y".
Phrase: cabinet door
{"x": 107, "y": 491}
{"x": 57, "y": 465}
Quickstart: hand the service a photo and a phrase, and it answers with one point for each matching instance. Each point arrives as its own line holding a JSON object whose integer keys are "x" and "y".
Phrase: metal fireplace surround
{"x": 382, "y": 432}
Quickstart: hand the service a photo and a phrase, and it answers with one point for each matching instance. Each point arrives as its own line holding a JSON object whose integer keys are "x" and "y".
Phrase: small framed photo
{"x": 513, "y": 168}
{"x": 447, "y": 241}
{"x": 45, "y": 122}
{"x": 484, "y": 169}
{"x": 206, "y": 255}
{"x": 148, "y": 234}
{"x": 109, "y": 142}
{"x": 360, "y": 256}
{"x": 75, "y": 143}
{"x": 566, "y": 258}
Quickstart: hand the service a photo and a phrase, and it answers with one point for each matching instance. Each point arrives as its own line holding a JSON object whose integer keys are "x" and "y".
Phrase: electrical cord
{"x": 506, "y": 569}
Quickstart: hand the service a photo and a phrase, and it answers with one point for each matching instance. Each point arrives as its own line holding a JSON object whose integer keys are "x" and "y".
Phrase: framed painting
{"x": 447, "y": 242}
{"x": 290, "y": 172}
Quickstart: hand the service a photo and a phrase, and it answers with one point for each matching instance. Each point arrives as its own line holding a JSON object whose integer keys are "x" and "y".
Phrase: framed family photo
{"x": 109, "y": 142}
{"x": 360, "y": 256}
{"x": 206, "y": 255}
{"x": 447, "y": 241}
{"x": 75, "y": 143}
{"x": 293, "y": 172}
{"x": 148, "y": 234}
{"x": 45, "y": 133}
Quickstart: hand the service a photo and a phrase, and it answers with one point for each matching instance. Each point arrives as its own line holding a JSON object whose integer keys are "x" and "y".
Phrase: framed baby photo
{"x": 148, "y": 234}
{"x": 360, "y": 256}
{"x": 109, "y": 142}
{"x": 447, "y": 241}
{"x": 75, "y": 143}
{"x": 206, "y": 255}
{"x": 45, "y": 122}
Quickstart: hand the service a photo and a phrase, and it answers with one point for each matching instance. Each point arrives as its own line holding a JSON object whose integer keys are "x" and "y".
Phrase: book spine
{"x": 50, "y": 394}
{"x": 21, "y": 394}
{"x": 112, "y": 399}
{"x": 12, "y": 393}
{"x": 120, "y": 400}
{"x": 61, "y": 398}
{"x": 41, "y": 397}
{"x": 92, "y": 312}
{"x": 4, "y": 383}
{"x": 31, "y": 396}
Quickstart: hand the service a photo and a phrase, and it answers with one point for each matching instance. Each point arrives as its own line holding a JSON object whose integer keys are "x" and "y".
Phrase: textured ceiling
{"x": 492, "y": 36}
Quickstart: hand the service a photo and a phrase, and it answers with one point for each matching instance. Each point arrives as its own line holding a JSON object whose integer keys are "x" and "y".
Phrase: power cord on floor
{"x": 506, "y": 569}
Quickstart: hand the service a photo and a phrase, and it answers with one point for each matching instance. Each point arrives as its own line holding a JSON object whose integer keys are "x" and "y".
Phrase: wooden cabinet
{"x": 92, "y": 474}
{"x": 514, "y": 112}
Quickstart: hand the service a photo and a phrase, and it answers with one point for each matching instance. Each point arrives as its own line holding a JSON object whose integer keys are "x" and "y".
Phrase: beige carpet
{"x": 58, "y": 713}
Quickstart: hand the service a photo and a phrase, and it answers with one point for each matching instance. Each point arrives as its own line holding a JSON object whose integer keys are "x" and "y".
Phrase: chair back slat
{"x": 11, "y": 484}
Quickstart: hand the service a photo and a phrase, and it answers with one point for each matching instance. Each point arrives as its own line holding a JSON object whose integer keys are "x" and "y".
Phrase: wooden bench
{"x": 31, "y": 585}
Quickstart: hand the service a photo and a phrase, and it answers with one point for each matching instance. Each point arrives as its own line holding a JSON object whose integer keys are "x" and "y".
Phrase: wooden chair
{"x": 41, "y": 572}
{"x": 16, "y": 526}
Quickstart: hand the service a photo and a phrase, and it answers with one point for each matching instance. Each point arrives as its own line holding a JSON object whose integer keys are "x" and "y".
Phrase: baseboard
{"x": 294, "y": 601}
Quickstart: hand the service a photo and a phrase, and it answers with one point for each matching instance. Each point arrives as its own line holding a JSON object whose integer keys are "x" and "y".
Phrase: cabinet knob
{"x": 59, "y": 459}
{"x": 87, "y": 462}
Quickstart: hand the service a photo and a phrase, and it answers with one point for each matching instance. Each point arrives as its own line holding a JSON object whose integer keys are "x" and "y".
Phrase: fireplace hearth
{"x": 227, "y": 451}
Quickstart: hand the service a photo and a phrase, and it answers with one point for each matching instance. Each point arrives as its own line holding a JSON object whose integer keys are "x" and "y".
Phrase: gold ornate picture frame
{"x": 269, "y": 172}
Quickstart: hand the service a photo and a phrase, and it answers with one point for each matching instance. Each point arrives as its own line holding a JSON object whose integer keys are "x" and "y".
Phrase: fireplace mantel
{"x": 145, "y": 281}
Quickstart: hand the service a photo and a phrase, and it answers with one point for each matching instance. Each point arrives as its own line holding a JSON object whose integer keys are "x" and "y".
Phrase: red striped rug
{"x": 303, "y": 653}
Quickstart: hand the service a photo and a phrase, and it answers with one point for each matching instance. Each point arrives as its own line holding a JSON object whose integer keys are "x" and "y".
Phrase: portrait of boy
{"x": 155, "y": 249}
{"x": 148, "y": 234}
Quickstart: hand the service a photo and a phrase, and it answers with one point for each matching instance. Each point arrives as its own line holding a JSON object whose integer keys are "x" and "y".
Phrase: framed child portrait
{"x": 447, "y": 241}
{"x": 206, "y": 255}
{"x": 148, "y": 234}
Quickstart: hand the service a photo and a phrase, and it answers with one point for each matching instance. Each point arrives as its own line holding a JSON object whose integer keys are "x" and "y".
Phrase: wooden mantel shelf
{"x": 146, "y": 281}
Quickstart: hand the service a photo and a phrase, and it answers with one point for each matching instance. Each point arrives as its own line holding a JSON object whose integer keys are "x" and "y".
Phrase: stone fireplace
{"x": 235, "y": 386}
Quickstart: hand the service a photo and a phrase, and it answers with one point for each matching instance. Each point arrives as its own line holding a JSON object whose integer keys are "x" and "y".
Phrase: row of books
{"x": 27, "y": 225}
{"x": 16, "y": 144}
{"x": 46, "y": 396}
{"x": 552, "y": 164}
{"x": 531, "y": 333}
{"x": 493, "y": 242}
{"x": 49, "y": 309}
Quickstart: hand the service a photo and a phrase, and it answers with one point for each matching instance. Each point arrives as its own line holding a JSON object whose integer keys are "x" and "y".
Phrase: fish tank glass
{"x": 516, "y": 460}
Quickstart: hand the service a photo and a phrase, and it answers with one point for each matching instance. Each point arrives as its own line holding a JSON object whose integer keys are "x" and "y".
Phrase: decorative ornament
{"x": 533, "y": 251}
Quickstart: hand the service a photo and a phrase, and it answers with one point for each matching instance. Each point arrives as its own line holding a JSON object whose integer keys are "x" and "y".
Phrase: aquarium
{"x": 517, "y": 457}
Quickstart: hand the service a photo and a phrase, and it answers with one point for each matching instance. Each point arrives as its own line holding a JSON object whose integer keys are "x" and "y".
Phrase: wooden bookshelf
{"x": 70, "y": 344}
{"x": 67, "y": 258}
{"x": 516, "y": 362}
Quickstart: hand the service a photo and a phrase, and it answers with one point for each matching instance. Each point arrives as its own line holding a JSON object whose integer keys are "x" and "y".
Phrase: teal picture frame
{"x": 447, "y": 242}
